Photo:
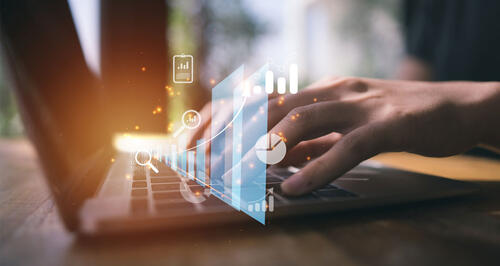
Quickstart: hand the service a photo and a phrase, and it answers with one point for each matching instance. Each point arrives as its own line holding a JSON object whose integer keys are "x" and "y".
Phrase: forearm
{"x": 492, "y": 114}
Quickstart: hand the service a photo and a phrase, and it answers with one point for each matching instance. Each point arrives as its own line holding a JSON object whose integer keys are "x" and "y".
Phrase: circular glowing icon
{"x": 270, "y": 149}
{"x": 145, "y": 160}
{"x": 191, "y": 119}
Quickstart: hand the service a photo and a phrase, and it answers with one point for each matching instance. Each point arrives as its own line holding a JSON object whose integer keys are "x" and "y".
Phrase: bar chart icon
{"x": 183, "y": 68}
{"x": 281, "y": 83}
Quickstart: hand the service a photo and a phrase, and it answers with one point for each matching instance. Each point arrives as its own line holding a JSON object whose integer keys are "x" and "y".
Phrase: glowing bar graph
{"x": 173, "y": 157}
{"x": 269, "y": 82}
{"x": 237, "y": 128}
{"x": 183, "y": 163}
{"x": 191, "y": 173}
{"x": 200, "y": 162}
{"x": 281, "y": 85}
{"x": 257, "y": 89}
{"x": 294, "y": 78}
{"x": 246, "y": 89}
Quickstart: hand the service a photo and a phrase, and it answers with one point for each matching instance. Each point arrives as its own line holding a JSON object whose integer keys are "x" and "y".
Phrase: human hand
{"x": 374, "y": 116}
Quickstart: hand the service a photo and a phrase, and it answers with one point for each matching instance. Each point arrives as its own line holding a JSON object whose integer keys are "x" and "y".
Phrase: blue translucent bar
{"x": 200, "y": 162}
{"x": 253, "y": 171}
{"x": 173, "y": 157}
{"x": 237, "y": 128}
{"x": 237, "y": 176}
{"x": 183, "y": 163}
{"x": 220, "y": 161}
{"x": 191, "y": 173}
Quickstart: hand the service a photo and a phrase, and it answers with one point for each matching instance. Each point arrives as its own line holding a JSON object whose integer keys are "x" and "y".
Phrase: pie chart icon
{"x": 270, "y": 149}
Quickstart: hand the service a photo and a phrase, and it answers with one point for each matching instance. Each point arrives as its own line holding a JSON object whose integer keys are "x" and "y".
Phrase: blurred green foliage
{"x": 10, "y": 125}
{"x": 201, "y": 28}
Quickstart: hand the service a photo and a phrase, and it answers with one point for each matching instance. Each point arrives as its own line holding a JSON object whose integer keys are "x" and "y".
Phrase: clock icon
{"x": 270, "y": 149}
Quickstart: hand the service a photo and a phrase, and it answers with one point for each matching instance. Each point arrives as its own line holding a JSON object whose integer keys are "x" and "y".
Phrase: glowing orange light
{"x": 308, "y": 158}
{"x": 158, "y": 109}
{"x": 197, "y": 193}
{"x": 171, "y": 94}
{"x": 293, "y": 117}
{"x": 128, "y": 176}
{"x": 137, "y": 127}
{"x": 112, "y": 160}
{"x": 143, "y": 69}
{"x": 315, "y": 99}
{"x": 280, "y": 133}
{"x": 212, "y": 81}
{"x": 154, "y": 112}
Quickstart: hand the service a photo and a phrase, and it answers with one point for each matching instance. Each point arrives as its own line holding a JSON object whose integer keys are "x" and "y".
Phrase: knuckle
{"x": 355, "y": 84}
{"x": 301, "y": 114}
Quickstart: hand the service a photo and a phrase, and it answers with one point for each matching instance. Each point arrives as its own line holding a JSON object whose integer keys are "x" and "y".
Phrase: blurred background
{"x": 324, "y": 37}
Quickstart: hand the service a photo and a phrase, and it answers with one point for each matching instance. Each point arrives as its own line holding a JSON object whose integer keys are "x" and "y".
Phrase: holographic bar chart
{"x": 190, "y": 163}
{"x": 239, "y": 118}
{"x": 183, "y": 163}
{"x": 200, "y": 162}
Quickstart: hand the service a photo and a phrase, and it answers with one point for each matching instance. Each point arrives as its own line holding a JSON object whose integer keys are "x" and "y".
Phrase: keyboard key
{"x": 139, "y": 178}
{"x": 139, "y": 184}
{"x": 141, "y": 192}
{"x": 164, "y": 179}
{"x": 160, "y": 173}
{"x": 139, "y": 205}
{"x": 174, "y": 206}
{"x": 169, "y": 186}
{"x": 139, "y": 174}
{"x": 167, "y": 195}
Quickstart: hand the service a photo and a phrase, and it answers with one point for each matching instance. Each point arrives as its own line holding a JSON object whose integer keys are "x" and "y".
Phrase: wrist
{"x": 481, "y": 113}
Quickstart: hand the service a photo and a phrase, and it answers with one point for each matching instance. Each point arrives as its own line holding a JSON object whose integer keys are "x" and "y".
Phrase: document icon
{"x": 183, "y": 68}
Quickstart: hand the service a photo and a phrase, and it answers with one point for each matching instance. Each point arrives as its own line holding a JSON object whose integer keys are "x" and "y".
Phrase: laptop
{"x": 135, "y": 198}
{"x": 100, "y": 190}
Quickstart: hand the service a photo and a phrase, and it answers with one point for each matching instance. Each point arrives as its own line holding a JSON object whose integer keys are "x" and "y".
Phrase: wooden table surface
{"x": 463, "y": 231}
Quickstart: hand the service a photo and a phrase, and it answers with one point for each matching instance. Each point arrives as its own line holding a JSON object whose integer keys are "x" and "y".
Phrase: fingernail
{"x": 294, "y": 185}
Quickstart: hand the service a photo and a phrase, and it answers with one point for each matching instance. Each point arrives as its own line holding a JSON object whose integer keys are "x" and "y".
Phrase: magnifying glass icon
{"x": 190, "y": 120}
{"x": 145, "y": 162}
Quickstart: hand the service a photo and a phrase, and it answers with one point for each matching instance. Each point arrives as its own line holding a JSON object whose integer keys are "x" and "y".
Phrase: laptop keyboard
{"x": 162, "y": 192}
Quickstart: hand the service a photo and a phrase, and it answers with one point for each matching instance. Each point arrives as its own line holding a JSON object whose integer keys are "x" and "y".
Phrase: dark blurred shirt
{"x": 459, "y": 39}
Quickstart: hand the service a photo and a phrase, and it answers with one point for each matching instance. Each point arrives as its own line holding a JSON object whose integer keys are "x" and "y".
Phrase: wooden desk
{"x": 463, "y": 231}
